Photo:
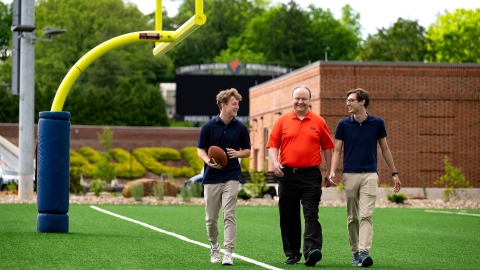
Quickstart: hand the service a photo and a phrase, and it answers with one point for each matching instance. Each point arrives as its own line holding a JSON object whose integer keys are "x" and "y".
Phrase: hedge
{"x": 81, "y": 163}
{"x": 150, "y": 158}
{"x": 143, "y": 159}
{"x": 126, "y": 168}
{"x": 91, "y": 154}
{"x": 190, "y": 155}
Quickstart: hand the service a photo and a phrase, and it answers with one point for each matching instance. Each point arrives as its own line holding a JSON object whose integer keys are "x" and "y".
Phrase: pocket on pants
{"x": 233, "y": 188}
{"x": 372, "y": 185}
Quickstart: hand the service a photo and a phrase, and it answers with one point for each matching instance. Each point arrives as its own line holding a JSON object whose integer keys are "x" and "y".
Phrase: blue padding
{"x": 55, "y": 115}
{"x": 53, "y": 163}
{"x": 52, "y": 223}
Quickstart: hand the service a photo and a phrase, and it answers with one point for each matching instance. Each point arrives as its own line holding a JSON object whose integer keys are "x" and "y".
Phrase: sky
{"x": 374, "y": 14}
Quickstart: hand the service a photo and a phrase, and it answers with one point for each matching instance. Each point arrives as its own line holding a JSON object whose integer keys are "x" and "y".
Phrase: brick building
{"x": 430, "y": 110}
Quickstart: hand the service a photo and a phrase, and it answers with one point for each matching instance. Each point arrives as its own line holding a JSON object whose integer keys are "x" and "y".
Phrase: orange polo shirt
{"x": 299, "y": 141}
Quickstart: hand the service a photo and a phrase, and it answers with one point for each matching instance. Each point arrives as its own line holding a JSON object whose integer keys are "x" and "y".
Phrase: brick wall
{"x": 430, "y": 110}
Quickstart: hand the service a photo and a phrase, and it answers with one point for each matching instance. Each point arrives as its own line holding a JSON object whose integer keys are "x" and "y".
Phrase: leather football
{"x": 217, "y": 155}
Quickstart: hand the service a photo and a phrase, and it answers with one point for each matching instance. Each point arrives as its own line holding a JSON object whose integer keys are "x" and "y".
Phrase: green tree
{"x": 123, "y": 78}
{"x": 281, "y": 43}
{"x": 244, "y": 54}
{"x": 225, "y": 19}
{"x": 341, "y": 37}
{"x": 298, "y": 36}
{"x": 455, "y": 37}
{"x": 9, "y": 104}
{"x": 5, "y": 32}
{"x": 403, "y": 41}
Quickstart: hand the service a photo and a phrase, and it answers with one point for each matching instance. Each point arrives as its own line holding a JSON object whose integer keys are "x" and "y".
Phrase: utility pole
{"x": 23, "y": 84}
{"x": 27, "y": 103}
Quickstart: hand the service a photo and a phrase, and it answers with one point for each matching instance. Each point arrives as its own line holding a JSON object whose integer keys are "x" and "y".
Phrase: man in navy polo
{"x": 221, "y": 183}
{"x": 358, "y": 134}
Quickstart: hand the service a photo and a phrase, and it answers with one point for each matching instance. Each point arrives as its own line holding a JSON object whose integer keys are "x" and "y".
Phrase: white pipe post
{"x": 27, "y": 104}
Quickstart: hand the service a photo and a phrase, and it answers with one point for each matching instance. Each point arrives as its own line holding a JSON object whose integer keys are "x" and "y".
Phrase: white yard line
{"x": 181, "y": 237}
{"x": 457, "y": 213}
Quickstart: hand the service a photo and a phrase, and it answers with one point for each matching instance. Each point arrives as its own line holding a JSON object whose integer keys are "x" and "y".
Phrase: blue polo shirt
{"x": 233, "y": 135}
{"x": 360, "y": 142}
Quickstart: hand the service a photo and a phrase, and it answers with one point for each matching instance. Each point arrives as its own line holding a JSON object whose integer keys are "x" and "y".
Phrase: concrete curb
{"x": 432, "y": 193}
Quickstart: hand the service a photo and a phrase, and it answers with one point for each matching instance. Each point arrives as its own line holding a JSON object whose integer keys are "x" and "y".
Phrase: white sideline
{"x": 457, "y": 213}
{"x": 181, "y": 237}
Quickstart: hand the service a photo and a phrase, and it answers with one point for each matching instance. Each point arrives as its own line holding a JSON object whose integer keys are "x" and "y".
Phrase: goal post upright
{"x": 53, "y": 156}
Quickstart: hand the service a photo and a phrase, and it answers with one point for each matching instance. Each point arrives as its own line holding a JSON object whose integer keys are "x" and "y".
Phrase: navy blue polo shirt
{"x": 233, "y": 135}
{"x": 360, "y": 142}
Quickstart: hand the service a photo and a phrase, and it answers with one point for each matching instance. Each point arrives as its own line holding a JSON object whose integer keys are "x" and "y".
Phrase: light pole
{"x": 23, "y": 84}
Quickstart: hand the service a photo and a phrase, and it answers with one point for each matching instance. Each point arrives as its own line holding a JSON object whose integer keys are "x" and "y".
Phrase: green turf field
{"x": 174, "y": 237}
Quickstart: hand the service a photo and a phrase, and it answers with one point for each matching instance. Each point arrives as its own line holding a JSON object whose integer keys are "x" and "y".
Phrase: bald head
{"x": 302, "y": 88}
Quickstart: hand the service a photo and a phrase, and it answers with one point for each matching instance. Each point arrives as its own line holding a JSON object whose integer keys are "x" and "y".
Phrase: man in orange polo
{"x": 294, "y": 150}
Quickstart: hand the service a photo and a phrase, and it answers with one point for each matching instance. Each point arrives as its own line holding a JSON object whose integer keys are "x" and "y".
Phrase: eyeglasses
{"x": 350, "y": 100}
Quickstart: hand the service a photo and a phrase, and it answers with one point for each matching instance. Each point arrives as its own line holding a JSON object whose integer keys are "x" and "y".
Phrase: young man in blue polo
{"x": 221, "y": 183}
{"x": 358, "y": 135}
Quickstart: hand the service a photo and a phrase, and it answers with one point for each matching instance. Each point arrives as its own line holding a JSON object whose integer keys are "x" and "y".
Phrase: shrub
{"x": 75, "y": 186}
{"x": 158, "y": 190}
{"x": 104, "y": 168}
{"x": 185, "y": 194}
{"x": 136, "y": 189}
{"x": 127, "y": 165}
{"x": 156, "y": 153}
{"x": 82, "y": 164}
{"x": 190, "y": 155}
{"x": 453, "y": 179}
{"x": 245, "y": 164}
{"x": 257, "y": 185}
{"x": 397, "y": 197}
{"x": 97, "y": 186}
{"x": 150, "y": 158}
{"x": 447, "y": 194}
{"x": 12, "y": 186}
{"x": 91, "y": 154}
{"x": 196, "y": 190}
{"x": 243, "y": 194}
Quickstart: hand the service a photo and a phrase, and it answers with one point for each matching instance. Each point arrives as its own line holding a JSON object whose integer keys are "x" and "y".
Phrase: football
{"x": 217, "y": 155}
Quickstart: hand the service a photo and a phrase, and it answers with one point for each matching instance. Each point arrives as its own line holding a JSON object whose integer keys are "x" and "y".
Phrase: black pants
{"x": 293, "y": 189}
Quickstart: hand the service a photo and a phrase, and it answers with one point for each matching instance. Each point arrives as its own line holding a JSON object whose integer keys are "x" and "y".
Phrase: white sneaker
{"x": 227, "y": 259}
{"x": 215, "y": 254}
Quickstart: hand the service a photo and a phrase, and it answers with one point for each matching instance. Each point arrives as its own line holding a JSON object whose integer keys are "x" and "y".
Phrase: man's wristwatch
{"x": 394, "y": 173}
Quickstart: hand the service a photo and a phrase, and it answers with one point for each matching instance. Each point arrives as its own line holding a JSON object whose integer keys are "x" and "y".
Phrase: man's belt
{"x": 300, "y": 170}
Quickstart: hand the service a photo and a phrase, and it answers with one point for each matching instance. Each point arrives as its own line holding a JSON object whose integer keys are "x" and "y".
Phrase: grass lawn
{"x": 174, "y": 237}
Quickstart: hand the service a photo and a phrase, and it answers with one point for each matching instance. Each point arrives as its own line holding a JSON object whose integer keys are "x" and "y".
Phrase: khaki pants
{"x": 360, "y": 194}
{"x": 221, "y": 195}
